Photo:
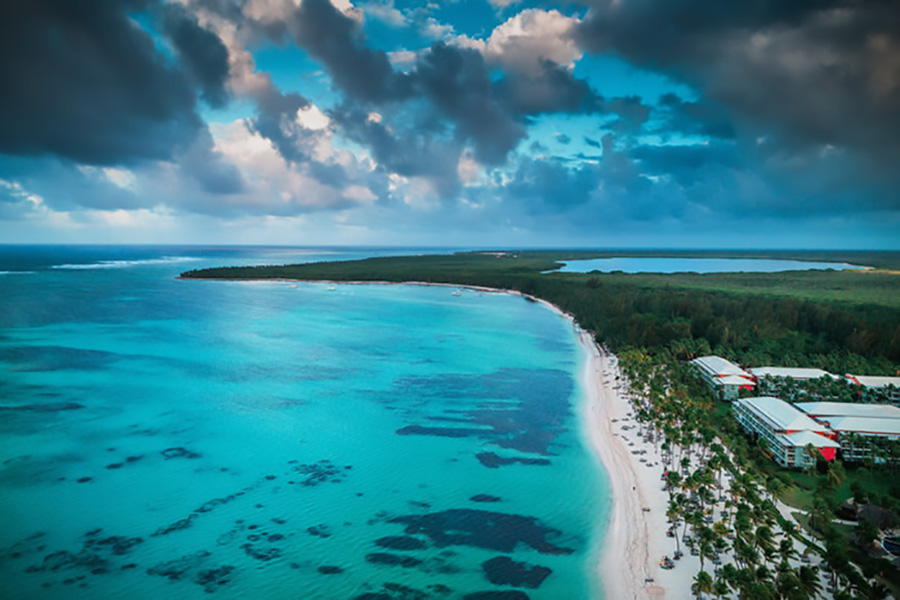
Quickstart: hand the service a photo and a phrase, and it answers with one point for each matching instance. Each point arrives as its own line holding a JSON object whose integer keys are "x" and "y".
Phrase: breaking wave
{"x": 121, "y": 264}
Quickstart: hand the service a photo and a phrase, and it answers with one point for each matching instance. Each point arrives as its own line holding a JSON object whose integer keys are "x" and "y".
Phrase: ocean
{"x": 170, "y": 438}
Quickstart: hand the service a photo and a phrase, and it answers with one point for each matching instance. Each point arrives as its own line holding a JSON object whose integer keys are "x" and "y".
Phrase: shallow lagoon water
{"x": 647, "y": 264}
{"x": 187, "y": 438}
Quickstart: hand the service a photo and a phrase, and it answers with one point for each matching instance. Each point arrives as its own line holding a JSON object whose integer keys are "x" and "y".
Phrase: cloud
{"x": 84, "y": 81}
{"x": 804, "y": 73}
{"x": 693, "y": 118}
{"x": 202, "y": 52}
{"x": 408, "y": 151}
{"x": 336, "y": 41}
{"x": 209, "y": 167}
{"x": 16, "y": 202}
{"x": 448, "y": 100}
{"x": 276, "y": 120}
{"x": 525, "y": 41}
{"x": 552, "y": 90}
{"x": 457, "y": 82}
{"x": 386, "y": 12}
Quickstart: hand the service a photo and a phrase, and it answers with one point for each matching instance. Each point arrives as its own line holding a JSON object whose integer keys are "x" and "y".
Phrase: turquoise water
{"x": 647, "y": 264}
{"x": 166, "y": 438}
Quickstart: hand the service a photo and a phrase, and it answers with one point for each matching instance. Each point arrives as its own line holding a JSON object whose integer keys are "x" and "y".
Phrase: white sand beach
{"x": 635, "y": 540}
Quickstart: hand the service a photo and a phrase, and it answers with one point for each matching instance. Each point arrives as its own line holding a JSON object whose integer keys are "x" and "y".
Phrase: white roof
{"x": 849, "y": 409}
{"x": 865, "y": 425}
{"x": 873, "y": 381}
{"x": 791, "y": 372}
{"x": 733, "y": 380}
{"x": 780, "y": 415}
{"x": 805, "y": 438}
{"x": 718, "y": 366}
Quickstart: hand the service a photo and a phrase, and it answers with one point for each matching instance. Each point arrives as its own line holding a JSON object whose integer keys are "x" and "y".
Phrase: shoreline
{"x": 628, "y": 563}
{"x": 625, "y": 566}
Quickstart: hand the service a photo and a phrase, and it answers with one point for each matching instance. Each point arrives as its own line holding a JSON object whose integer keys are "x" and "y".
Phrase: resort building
{"x": 821, "y": 411}
{"x": 724, "y": 377}
{"x": 884, "y": 389}
{"x": 796, "y": 374}
{"x": 862, "y": 429}
{"x": 787, "y": 431}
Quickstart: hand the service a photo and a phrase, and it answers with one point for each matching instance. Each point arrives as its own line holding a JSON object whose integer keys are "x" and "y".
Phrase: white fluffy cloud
{"x": 274, "y": 184}
{"x": 528, "y": 38}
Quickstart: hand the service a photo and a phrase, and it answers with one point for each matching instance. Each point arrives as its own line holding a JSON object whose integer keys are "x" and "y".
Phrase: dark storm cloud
{"x": 663, "y": 159}
{"x": 554, "y": 90}
{"x": 694, "y": 118}
{"x": 632, "y": 113}
{"x": 411, "y": 152}
{"x": 457, "y": 82}
{"x": 450, "y": 94}
{"x": 276, "y": 120}
{"x": 550, "y": 186}
{"x": 201, "y": 51}
{"x": 809, "y": 72}
{"x": 82, "y": 80}
{"x": 336, "y": 41}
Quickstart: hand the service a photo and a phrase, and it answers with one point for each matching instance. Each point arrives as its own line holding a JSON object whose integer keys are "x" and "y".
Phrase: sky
{"x": 476, "y": 123}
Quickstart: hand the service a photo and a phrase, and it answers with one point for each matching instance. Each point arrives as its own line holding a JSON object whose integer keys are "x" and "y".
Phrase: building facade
{"x": 864, "y": 431}
{"x": 877, "y": 389}
{"x": 724, "y": 377}
{"x": 787, "y": 431}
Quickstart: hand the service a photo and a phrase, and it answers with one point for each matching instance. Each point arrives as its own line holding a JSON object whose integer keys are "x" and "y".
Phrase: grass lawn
{"x": 875, "y": 482}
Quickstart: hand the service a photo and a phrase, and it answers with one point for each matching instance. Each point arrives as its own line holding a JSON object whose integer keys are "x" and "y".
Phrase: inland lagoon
{"x": 166, "y": 438}
{"x": 667, "y": 264}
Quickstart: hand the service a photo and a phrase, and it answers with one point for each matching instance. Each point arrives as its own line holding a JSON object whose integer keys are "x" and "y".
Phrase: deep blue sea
{"x": 162, "y": 438}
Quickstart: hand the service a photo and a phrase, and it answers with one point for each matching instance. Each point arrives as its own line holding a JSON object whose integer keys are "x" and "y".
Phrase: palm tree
{"x": 720, "y": 588}
{"x": 836, "y": 474}
{"x": 809, "y": 580}
{"x": 820, "y": 517}
{"x": 673, "y": 513}
{"x": 706, "y": 541}
{"x": 786, "y": 583}
{"x": 813, "y": 454}
{"x": 703, "y": 584}
{"x": 764, "y": 541}
{"x": 786, "y": 549}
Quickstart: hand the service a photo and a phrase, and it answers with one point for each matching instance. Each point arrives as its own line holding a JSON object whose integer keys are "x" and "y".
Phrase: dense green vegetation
{"x": 839, "y": 321}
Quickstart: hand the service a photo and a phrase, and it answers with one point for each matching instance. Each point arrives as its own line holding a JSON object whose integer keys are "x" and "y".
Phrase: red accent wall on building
{"x": 827, "y": 453}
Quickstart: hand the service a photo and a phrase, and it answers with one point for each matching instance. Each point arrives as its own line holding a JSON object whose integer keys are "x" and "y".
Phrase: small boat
{"x": 331, "y": 288}
{"x": 457, "y": 293}
{"x": 293, "y": 287}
